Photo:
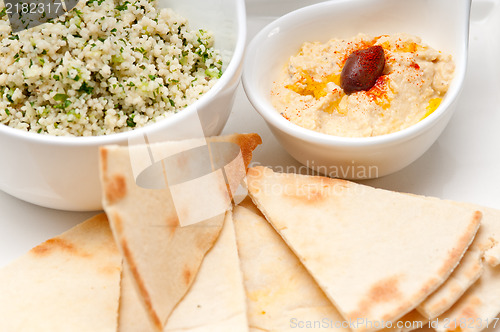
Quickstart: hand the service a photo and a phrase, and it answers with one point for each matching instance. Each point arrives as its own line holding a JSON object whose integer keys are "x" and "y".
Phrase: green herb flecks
{"x": 99, "y": 2}
{"x": 3, "y": 12}
{"x": 63, "y": 99}
{"x": 130, "y": 121}
{"x": 9, "y": 95}
{"x": 73, "y": 113}
{"x": 63, "y": 105}
{"x": 117, "y": 59}
{"x": 213, "y": 72}
{"x": 122, "y": 7}
{"x": 60, "y": 97}
{"x": 85, "y": 88}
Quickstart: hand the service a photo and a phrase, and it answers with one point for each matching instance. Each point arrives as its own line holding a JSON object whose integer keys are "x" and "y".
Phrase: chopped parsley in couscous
{"x": 105, "y": 67}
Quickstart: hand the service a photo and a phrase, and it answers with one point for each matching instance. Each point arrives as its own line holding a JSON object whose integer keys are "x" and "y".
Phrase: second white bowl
{"x": 443, "y": 24}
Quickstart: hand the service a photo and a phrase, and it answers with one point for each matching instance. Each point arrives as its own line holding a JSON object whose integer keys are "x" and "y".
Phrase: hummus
{"x": 414, "y": 80}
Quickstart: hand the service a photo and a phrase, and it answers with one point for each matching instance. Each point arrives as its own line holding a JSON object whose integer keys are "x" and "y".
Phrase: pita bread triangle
{"x": 215, "y": 301}
{"x": 162, "y": 254}
{"x": 463, "y": 277}
{"x": 477, "y": 309}
{"x": 471, "y": 267}
{"x": 68, "y": 282}
{"x": 281, "y": 295}
{"x": 412, "y": 243}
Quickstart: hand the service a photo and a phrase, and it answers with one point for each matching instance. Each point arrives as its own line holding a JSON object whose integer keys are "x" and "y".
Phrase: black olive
{"x": 362, "y": 69}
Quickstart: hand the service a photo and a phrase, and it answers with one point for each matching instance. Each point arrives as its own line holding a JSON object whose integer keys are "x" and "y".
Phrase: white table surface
{"x": 464, "y": 164}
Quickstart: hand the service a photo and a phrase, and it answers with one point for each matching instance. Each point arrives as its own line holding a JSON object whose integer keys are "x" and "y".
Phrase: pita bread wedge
{"x": 215, "y": 301}
{"x": 281, "y": 295}
{"x": 376, "y": 254}
{"x": 466, "y": 273}
{"x": 485, "y": 244}
{"x": 161, "y": 249}
{"x": 477, "y": 309}
{"x": 70, "y": 282}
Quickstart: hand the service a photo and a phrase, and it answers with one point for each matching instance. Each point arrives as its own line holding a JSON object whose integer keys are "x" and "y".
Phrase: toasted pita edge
{"x": 246, "y": 142}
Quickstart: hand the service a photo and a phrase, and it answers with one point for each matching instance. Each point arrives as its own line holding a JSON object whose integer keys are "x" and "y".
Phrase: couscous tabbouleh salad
{"x": 107, "y": 66}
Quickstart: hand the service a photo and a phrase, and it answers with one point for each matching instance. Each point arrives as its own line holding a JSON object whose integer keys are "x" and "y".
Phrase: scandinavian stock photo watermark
{"x": 344, "y": 171}
{"x": 214, "y": 172}
{"x": 321, "y": 186}
{"x": 350, "y": 170}
{"x": 200, "y": 168}
{"x": 362, "y": 323}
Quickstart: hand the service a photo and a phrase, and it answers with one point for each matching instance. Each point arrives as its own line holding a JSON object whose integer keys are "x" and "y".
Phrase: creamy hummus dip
{"x": 414, "y": 80}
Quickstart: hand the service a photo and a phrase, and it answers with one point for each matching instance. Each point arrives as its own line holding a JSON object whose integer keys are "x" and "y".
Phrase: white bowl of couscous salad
{"x": 110, "y": 72}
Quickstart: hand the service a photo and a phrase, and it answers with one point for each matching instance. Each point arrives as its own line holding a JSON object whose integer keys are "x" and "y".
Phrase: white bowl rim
{"x": 272, "y": 116}
{"x": 224, "y": 80}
